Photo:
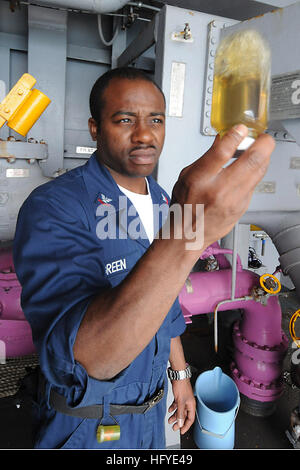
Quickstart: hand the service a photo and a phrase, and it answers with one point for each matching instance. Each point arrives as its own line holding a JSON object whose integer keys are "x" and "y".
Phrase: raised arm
{"x": 121, "y": 321}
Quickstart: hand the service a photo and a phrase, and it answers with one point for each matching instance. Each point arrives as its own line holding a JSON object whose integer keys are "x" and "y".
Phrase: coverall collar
{"x": 103, "y": 189}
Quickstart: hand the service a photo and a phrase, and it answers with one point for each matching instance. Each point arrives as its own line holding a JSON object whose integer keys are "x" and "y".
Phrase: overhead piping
{"x": 117, "y": 29}
{"x": 143, "y": 5}
{"x": 94, "y": 6}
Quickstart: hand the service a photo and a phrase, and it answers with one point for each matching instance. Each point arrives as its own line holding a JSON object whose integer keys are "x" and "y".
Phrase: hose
{"x": 114, "y": 36}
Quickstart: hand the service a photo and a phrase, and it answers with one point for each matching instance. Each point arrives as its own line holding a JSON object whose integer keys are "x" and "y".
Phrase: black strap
{"x": 34, "y": 381}
{"x": 59, "y": 403}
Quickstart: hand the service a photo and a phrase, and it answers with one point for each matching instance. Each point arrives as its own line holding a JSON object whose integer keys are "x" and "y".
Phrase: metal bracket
{"x": 144, "y": 40}
{"x": 184, "y": 36}
{"x": 281, "y": 136}
{"x": 23, "y": 150}
{"x": 213, "y": 32}
{"x": 213, "y": 38}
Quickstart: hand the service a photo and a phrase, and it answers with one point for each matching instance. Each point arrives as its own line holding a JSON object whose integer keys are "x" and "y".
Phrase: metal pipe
{"x": 119, "y": 15}
{"x": 94, "y": 6}
{"x": 215, "y": 249}
{"x": 243, "y": 299}
{"x": 234, "y": 256}
{"x": 143, "y": 5}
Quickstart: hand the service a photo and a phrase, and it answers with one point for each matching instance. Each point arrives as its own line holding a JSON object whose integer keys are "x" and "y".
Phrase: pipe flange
{"x": 254, "y": 389}
{"x": 263, "y": 352}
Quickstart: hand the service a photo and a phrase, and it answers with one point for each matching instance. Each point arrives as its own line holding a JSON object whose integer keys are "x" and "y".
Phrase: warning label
{"x": 285, "y": 96}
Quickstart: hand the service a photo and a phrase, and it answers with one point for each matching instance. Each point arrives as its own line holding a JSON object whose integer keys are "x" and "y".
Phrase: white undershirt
{"x": 144, "y": 207}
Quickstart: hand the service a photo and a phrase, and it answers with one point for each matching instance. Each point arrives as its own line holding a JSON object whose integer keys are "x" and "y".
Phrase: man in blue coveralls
{"x": 103, "y": 307}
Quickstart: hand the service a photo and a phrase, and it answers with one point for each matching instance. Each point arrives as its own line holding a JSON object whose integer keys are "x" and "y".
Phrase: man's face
{"x": 132, "y": 127}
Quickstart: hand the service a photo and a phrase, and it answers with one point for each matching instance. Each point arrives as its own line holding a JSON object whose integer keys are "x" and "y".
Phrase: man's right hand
{"x": 224, "y": 192}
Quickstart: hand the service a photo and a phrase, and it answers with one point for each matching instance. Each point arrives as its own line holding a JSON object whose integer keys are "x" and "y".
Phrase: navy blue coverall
{"x": 62, "y": 264}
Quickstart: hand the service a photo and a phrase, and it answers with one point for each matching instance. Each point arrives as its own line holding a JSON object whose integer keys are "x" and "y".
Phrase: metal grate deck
{"x": 12, "y": 371}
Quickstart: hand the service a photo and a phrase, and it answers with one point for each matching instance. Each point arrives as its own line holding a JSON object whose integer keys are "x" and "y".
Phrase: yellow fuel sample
{"x": 22, "y": 107}
{"x": 241, "y": 83}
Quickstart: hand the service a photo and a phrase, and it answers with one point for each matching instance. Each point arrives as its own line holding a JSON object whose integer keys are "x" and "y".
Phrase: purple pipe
{"x": 15, "y": 331}
{"x": 10, "y": 293}
{"x": 6, "y": 259}
{"x": 204, "y": 290}
{"x": 218, "y": 252}
{"x": 260, "y": 344}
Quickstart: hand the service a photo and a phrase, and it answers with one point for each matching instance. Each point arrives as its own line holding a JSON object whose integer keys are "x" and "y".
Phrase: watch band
{"x": 180, "y": 374}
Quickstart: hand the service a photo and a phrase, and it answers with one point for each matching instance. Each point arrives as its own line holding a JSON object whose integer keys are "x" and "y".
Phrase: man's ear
{"x": 93, "y": 128}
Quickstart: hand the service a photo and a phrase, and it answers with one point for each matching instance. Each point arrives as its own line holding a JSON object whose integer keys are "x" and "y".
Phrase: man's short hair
{"x": 97, "y": 92}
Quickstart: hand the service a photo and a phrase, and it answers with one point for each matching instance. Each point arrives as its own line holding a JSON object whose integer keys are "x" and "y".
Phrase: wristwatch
{"x": 180, "y": 374}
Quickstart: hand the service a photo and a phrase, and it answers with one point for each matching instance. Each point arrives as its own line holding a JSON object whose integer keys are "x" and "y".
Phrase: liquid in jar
{"x": 241, "y": 83}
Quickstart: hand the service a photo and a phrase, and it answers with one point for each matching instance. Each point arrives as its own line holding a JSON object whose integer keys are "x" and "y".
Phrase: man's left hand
{"x": 183, "y": 406}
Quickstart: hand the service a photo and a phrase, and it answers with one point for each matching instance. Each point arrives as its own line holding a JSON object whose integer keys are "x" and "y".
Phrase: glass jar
{"x": 241, "y": 84}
